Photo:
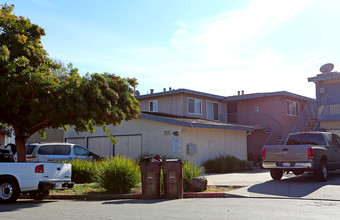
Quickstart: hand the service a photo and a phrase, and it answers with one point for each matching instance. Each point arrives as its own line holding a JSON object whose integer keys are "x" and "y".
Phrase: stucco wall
{"x": 177, "y": 105}
{"x": 272, "y": 112}
{"x": 332, "y": 126}
{"x": 157, "y": 138}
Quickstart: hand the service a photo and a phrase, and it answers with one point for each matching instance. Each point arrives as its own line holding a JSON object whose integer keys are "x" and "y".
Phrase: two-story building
{"x": 273, "y": 115}
{"x": 197, "y": 126}
{"x": 180, "y": 123}
{"x": 327, "y": 86}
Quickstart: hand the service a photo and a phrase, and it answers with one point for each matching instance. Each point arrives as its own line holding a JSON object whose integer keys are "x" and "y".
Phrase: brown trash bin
{"x": 151, "y": 170}
{"x": 173, "y": 179}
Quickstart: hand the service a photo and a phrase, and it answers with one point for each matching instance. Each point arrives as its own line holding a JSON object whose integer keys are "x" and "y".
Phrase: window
{"x": 212, "y": 110}
{"x": 55, "y": 150}
{"x": 80, "y": 151}
{"x": 153, "y": 106}
{"x": 292, "y": 108}
{"x": 194, "y": 106}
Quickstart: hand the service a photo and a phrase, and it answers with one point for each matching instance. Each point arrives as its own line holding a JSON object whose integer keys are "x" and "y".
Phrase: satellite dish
{"x": 137, "y": 93}
{"x": 327, "y": 68}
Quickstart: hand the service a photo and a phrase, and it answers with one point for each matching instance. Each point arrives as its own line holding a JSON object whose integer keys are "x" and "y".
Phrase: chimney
{"x": 238, "y": 93}
{"x": 242, "y": 92}
{"x": 164, "y": 89}
{"x": 170, "y": 88}
{"x": 151, "y": 91}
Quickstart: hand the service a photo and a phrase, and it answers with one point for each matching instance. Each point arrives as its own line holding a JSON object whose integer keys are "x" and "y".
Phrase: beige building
{"x": 195, "y": 140}
{"x": 181, "y": 124}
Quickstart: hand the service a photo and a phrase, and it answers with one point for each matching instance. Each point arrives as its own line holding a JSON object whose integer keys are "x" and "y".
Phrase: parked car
{"x": 57, "y": 152}
{"x": 313, "y": 152}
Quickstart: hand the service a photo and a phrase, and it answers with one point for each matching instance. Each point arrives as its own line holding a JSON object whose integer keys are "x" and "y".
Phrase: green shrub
{"x": 226, "y": 164}
{"x": 83, "y": 171}
{"x": 118, "y": 175}
{"x": 190, "y": 171}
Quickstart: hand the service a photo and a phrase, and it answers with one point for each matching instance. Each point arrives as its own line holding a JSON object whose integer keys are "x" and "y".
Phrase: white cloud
{"x": 227, "y": 47}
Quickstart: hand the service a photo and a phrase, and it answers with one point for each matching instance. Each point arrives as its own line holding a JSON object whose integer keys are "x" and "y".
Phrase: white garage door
{"x": 80, "y": 141}
{"x": 100, "y": 145}
{"x": 129, "y": 146}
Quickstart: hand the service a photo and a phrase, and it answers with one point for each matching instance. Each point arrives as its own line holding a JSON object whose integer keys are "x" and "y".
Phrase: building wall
{"x": 269, "y": 111}
{"x": 52, "y": 135}
{"x": 152, "y": 137}
{"x": 177, "y": 105}
{"x": 327, "y": 92}
{"x": 331, "y": 126}
{"x": 211, "y": 143}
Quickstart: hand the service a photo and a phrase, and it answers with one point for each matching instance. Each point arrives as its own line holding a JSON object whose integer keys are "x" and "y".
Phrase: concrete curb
{"x": 130, "y": 196}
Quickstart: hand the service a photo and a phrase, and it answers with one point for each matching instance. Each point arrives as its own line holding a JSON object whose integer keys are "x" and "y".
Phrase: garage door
{"x": 100, "y": 145}
{"x": 80, "y": 141}
{"x": 129, "y": 146}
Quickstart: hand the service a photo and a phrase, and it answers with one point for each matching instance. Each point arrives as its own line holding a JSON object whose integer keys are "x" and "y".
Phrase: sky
{"x": 216, "y": 46}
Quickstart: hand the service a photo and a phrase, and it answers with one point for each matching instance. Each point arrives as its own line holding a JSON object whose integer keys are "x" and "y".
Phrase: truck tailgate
{"x": 287, "y": 153}
{"x": 57, "y": 171}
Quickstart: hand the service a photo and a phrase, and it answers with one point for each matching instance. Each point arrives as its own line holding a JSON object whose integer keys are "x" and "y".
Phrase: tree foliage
{"x": 32, "y": 98}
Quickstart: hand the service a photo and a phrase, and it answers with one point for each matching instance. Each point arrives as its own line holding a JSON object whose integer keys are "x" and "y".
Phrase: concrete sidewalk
{"x": 259, "y": 184}
{"x": 248, "y": 178}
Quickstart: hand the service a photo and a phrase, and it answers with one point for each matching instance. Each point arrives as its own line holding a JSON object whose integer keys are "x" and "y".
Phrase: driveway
{"x": 258, "y": 183}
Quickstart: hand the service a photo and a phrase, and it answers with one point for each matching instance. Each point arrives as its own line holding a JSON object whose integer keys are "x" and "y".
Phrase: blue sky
{"x": 216, "y": 46}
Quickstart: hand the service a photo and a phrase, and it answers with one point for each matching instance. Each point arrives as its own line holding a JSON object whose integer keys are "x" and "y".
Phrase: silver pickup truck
{"x": 314, "y": 152}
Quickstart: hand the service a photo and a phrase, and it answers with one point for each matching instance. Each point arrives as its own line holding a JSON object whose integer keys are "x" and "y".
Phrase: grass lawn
{"x": 94, "y": 188}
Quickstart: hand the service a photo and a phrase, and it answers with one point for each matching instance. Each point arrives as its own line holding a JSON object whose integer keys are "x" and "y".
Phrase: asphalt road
{"x": 294, "y": 197}
{"x": 222, "y": 208}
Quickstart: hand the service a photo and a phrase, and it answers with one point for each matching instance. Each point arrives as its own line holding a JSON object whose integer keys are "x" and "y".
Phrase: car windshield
{"x": 30, "y": 148}
{"x": 311, "y": 139}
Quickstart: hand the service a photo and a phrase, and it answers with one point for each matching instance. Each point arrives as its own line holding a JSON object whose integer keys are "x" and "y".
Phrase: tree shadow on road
{"x": 294, "y": 186}
{"x": 21, "y": 204}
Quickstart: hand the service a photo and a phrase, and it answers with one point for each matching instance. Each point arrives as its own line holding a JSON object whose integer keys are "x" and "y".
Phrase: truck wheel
{"x": 321, "y": 173}
{"x": 9, "y": 191}
{"x": 276, "y": 174}
{"x": 39, "y": 195}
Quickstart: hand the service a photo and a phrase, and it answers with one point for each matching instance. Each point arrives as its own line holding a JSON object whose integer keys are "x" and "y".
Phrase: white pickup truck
{"x": 36, "y": 179}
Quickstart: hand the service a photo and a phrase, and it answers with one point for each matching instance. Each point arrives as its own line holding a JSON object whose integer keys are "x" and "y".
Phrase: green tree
{"x": 32, "y": 98}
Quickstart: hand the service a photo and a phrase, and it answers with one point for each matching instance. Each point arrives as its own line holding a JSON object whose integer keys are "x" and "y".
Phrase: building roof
{"x": 261, "y": 95}
{"x": 224, "y": 98}
{"x": 178, "y": 91}
{"x": 322, "y": 77}
{"x": 193, "y": 122}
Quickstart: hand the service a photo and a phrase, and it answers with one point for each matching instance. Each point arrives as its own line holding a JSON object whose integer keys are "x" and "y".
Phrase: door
{"x": 129, "y": 146}
{"x": 232, "y": 113}
{"x": 101, "y": 146}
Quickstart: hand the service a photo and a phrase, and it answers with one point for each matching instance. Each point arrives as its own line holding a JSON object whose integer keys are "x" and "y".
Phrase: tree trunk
{"x": 21, "y": 151}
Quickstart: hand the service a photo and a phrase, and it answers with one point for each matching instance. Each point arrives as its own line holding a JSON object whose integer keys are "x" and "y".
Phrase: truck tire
{"x": 321, "y": 173}
{"x": 9, "y": 190}
{"x": 276, "y": 174}
{"x": 39, "y": 194}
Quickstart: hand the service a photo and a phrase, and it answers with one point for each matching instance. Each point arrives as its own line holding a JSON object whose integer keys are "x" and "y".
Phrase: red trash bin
{"x": 173, "y": 178}
{"x": 151, "y": 170}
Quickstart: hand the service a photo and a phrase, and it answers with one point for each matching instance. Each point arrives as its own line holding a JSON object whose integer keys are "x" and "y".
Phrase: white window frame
{"x": 196, "y": 101}
{"x": 212, "y": 110}
{"x": 154, "y": 106}
{"x": 290, "y": 103}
